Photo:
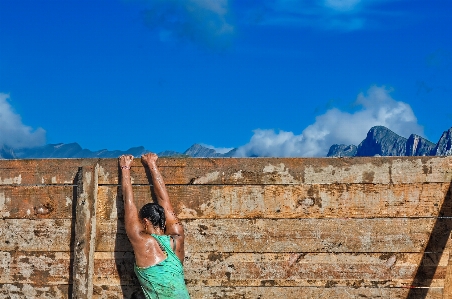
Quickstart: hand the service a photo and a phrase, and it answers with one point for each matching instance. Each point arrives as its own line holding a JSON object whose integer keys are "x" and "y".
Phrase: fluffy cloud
{"x": 200, "y": 21}
{"x": 13, "y": 132}
{"x": 377, "y": 107}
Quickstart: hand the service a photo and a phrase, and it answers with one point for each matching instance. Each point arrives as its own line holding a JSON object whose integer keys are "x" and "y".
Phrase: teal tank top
{"x": 164, "y": 280}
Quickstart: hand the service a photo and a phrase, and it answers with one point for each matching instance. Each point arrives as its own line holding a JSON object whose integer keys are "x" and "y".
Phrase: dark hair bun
{"x": 155, "y": 213}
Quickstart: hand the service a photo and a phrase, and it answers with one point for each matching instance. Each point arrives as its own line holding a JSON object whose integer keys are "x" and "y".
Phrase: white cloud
{"x": 337, "y": 127}
{"x": 13, "y": 132}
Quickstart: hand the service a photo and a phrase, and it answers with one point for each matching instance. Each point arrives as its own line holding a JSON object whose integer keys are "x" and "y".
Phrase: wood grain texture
{"x": 269, "y": 292}
{"x": 255, "y": 228}
{"x": 239, "y": 170}
{"x": 36, "y": 268}
{"x": 41, "y": 171}
{"x": 243, "y": 235}
{"x": 35, "y": 234}
{"x": 85, "y": 233}
{"x": 287, "y": 269}
{"x": 448, "y": 280}
{"x": 294, "y": 235}
{"x": 245, "y": 171}
{"x": 292, "y": 201}
{"x": 310, "y": 293}
{"x": 36, "y": 202}
{"x": 29, "y": 291}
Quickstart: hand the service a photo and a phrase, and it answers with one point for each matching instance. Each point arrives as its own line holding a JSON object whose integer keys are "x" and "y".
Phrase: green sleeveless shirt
{"x": 164, "y": 280}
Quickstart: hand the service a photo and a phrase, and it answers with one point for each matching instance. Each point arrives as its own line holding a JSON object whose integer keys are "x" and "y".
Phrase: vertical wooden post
{"x": 85, "y": 232}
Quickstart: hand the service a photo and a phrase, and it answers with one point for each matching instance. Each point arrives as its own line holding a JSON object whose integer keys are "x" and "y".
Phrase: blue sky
{"x": 273, "y": 78}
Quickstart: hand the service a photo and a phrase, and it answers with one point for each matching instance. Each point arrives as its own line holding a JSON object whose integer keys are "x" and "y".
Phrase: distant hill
{"x": 74, "y": 150}
{"x": 381, "y": 141}
{"x": 61, "y": 150}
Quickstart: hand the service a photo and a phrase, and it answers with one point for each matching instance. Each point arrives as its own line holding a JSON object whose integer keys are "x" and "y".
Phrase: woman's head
{"x": 154, "y": 213}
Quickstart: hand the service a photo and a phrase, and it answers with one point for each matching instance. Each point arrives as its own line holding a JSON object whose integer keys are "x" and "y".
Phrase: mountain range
{"x": 380, "y": 141}
{"x": 74, "y": 150}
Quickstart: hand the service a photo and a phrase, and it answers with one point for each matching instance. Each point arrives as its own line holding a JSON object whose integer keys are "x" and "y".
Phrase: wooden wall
{"x": 256, "y": 227}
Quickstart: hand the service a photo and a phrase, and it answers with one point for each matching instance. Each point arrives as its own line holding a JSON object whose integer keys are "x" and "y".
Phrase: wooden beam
{"x": 202, "y": 171}
{"x": 36, "y": 202}
{"x": 85, "y": 232}
{"x": 288, "y": 171}
{"x": 35, "y": 234}
{"x": 269, "y": 292}
{"x": 286, "y": 269}
{"x": 291, "y": 201}
{"x": 377, "y": 235}
{"x": 41, "y": 172}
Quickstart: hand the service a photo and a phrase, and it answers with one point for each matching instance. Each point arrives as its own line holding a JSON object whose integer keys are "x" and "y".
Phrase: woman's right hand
{"x": 125, "y": 161}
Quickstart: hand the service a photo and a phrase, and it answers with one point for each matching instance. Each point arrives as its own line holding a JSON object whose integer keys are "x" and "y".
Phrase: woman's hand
{"x": 125, "y": 161}
{"x": 149, "y": 158}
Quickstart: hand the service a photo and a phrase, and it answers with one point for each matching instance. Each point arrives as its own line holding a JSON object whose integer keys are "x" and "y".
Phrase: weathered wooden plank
{"x": 240, "y": 170}
{"x": 29, "y": 291}
{"x": 41, "y": 171}
{"x": 244, "y": 235}
{"x": 295, "y": 235}
{"x": 115, "y": 292}
{"x": 291, "y": 201}
{"x": 309, "y": 293}
{"x": 85, "y": 233}
{"x": 273, "y": 201}
{"x": 268, "y": 292}
{"x": 287, "y": 269}
{"x": 36, "y": 202}
{"x": 37, "y": 268}
{"x": 35, "y": 234}
{"x": 381, "y": 170}
{"x": 448, "y": 280}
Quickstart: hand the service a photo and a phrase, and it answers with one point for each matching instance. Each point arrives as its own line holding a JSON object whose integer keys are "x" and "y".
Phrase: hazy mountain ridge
{"x": 381, "y": 141}
{"x": 74, "y": 150}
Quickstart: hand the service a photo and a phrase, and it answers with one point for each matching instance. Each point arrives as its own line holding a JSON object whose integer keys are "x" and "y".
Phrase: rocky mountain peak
{"x": 418, "y": 146}
{"x": 197, "y": 150}
{"x": 382, "y": 141}
{"x": 342, "y": 150}
{"x": 444, "y": 145}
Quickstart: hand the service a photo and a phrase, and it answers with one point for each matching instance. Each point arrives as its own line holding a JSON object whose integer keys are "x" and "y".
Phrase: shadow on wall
{"x": 433, "y": 251}
{"x": 72, "y": 241}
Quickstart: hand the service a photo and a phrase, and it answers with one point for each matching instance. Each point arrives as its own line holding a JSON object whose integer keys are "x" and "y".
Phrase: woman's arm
{"x": 132, "y": 221}
{"x": 173, "y": 225}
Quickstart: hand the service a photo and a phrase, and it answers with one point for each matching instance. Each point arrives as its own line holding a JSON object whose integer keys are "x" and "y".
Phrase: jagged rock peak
{"x": 197, "y": 150}
{"x": 382, "y": 141}
{"x": 444, "y": 145}
{"x": 418, "y": 146}
{"x": 342, "y": 150}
